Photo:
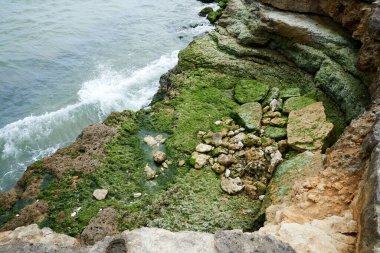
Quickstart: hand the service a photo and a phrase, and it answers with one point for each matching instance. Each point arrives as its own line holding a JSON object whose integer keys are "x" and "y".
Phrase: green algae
{"x": 296, "y": 103}
{"x": 250, "y": 91}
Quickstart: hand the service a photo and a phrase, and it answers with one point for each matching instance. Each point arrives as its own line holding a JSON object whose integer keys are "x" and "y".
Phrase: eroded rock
{"x": 308, "y": 128}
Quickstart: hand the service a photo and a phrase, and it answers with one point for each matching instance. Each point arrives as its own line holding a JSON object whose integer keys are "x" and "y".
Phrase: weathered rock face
{"x": 104, "y": 224}
{"x": 32, "y": 234}
{"x": 308, "y": 128}
{"x": 149, "y": 240}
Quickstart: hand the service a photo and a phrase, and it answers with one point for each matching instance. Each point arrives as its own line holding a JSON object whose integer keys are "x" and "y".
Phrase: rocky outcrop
{"x": 149, "y": 240}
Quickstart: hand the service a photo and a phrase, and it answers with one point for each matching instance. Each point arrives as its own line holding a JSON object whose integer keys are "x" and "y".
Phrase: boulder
{"x": 100, "y": 194}
{"x": 226, "y": 160}
{"x": 159, "y": 157}
{"x": 296, "y": 103}
{"x": 199, "y": 160}
{"x": 308, "y": 128}
{"x": 232, "y": 185}
{"x": 203, "y": 148}
{"x": 251, "y": 114}
{"x": 247, "y": 91}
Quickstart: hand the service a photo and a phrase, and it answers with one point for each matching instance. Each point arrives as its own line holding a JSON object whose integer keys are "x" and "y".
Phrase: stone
{"x": 203, "y": 148}
{"x": 273, "y": 94}
{"x": 159, "y": 157}
{"x": 247, "y": 91}
{"x": 290, "y": 92}
{"x": 296, "y": 103}
{"x": 226, "y": 160}
{"x": 308, "y": 128}
{"x": 100, "y": 194}
{"x": 279, "y": 122}
{"x": 275, "y": 105}
{"x": 251, "y": 140}
{"x": 251, "y": 114}
{"x": 150, "y": 173}
{"x": 237, "y": 241}
{"x": 150, "y": 140}
{"x": 205, "y": 11}
{"x": 137, "y": 195}
{"x": 33, "y": 234}
{"x": 276, "y": 133}
{"x": 232, "y": 185}
{"x": 181, "y": 163}
{"x": 199, "y": 160}
{"x": 102, "y": 225}
{"x": 217, "y": 168}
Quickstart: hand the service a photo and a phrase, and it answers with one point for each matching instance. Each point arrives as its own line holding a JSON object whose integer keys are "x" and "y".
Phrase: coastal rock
{"x": 251, "y": 140}
{"x": 203, "y": 148}
{"x": 308, "y": 128}
{"x": 150, "y": 140}
{"x": 218, "y": 168}
{"x": 104, "y": 224}
{"x": 159, "y": 157}
{"x": 33, "y": 234}
{"x": 199, "y": 160}
{"x": 276, "y": 133}
{"x": 100, "y": 194}
{"x": 232, "y": 185}
{"x": 250, "y": 114}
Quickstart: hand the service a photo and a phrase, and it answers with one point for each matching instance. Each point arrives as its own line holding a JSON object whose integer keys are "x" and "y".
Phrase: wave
{"x": 34, "y": 137}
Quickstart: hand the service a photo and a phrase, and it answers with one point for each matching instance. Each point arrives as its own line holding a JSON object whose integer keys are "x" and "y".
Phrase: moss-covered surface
{"x": 250, "y": 91}
{"x": 276, "y": 133}
{"x": 296, "y": 103}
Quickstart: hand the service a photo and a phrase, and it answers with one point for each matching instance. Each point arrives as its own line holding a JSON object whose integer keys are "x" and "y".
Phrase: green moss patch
{"x": 250, "y": 91}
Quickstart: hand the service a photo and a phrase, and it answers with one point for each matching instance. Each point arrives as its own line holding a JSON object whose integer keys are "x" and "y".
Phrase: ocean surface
{"x": 67, "y": 64}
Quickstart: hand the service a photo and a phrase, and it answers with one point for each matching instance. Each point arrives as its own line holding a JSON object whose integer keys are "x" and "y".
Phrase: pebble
{"x": 218, "y": 122}
{"x": 137, "y": 195}
{"x": 227, "y": 173}
{"x": 261, "y": 197}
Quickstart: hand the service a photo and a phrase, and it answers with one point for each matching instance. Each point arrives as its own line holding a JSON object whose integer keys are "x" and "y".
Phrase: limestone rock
{"x": 232, "y": 185}
{"x": 308, "y": 128}
{"x": 150, "y": 140}
{"x": 226, "y": 160}
{"x": 296, "y": 103}
{"x": 159, "y": 157}
{"x": 247, "y": 91}
{"x": 150, "y": 173}
{"x": 104, "y": 224}
{"x": 237, "y": 241}
{"x": 100, "y": 194}
{"x": 199, "y": 160}
{"x": 203, "y": 148}
{"x": 251, "y": 114}
{"x": 33, "y": 234}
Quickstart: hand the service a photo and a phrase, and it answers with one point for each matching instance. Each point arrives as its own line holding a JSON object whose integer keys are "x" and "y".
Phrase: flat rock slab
{"x": 251, "y": 114}
{"x": 100, "y": 194}
{"x": 308, "y": 128}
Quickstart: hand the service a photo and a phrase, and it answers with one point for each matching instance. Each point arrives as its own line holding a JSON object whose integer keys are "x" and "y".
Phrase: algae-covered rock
{"x": 199, "y": 160}
{"x": 251, "y": 114}
{"x": 290, "y": 92}
{"x": 250, "y": 91}
{"x": 276, "y": 133}
{"x": 205, "y": 11}
{"x": 308, "y": 128}
{"x": 150, "y": 173}
{"x": 274, "y": 93}
{"x": 296, "y": 103}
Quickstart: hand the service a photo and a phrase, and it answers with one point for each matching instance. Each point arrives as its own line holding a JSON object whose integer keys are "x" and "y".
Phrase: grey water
{"x": 67, "y": 64}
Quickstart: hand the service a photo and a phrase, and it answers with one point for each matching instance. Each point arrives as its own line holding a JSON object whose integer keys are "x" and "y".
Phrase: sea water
{"x": 67, "y": 64}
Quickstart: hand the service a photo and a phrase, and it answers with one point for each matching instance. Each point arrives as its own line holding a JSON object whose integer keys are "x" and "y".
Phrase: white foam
{"x": 111, "y": 91}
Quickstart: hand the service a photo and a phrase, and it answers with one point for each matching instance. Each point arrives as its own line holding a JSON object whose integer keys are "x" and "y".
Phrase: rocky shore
{"x": 268, "y": 125}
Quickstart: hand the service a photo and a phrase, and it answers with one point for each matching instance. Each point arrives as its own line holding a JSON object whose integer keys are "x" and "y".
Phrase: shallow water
{"x": 67, "y": 64}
